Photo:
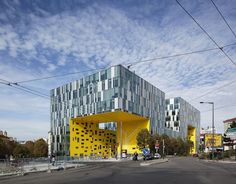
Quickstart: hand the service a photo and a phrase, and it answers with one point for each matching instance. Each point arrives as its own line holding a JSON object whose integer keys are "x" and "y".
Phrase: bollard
{"x": 64, "y": 163}
{"x": 49, "y": 169}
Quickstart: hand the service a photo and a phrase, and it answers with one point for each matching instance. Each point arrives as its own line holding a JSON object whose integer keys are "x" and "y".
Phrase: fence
{"x": 26, "y": 165}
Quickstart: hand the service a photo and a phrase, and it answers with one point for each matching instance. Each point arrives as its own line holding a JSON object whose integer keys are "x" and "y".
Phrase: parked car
{"x": 157, "y": 156}
{"x": 148, "y": 157}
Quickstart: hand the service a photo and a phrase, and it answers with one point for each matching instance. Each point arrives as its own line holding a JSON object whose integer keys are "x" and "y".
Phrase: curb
{"x": 147, "y": 163}
{"x": 38, "y": 171}
{"x": 220, "y": 161}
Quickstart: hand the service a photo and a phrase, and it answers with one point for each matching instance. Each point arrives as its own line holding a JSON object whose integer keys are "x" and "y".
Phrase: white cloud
{"x": 102, "y": 35}
{"x": 51, "y": 67}
{"x": 24, "y": 128}
{"x": 62, "y": 61}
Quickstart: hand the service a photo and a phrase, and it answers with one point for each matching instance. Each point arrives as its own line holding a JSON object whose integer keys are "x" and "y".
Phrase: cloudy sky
{"x": 44, "y": 38}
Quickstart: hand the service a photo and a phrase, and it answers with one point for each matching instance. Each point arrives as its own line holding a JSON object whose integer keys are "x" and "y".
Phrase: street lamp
{"x": 213, "y": 126}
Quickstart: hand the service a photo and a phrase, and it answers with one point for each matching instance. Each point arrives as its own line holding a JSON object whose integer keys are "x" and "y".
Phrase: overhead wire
{"x": 220, "y": 107}
{"x": 127, "y": 64}
{"x": 23, "y": 88}
{"x": 214, "y": 90}
{"x": 131, "y": 63}
{"x": 222, "y": 16}
{"x": 219, "y": 47}
{"x": 150, "y": 60}
{"x": 55, "y": 76}
{"x": 30, "y": 91}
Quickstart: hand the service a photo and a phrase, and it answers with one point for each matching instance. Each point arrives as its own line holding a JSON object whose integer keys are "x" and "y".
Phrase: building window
{"x": 168, "y": 118}
{"x": 176, "y": 100}
{"x": 109, "y": 84}
{"x": 176, "y": 123}
{"x": 167, "y": 101}
{"x": 176, "y": 106}
{"x": 103, "y": 85}
{"x": 177, "y": 118}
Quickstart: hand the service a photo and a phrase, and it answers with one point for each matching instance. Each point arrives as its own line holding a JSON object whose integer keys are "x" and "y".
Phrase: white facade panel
{"x": 101, "y": 95}
{"x": 106, "y": 84}
{"x": 112, "y": 72}
{"x": 99, "y": 85}
{"x": 116, "y": 103}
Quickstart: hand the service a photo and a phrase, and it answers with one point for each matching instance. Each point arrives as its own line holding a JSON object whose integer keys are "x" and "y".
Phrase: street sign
{"x": 146, "y": 152}
{"x": 157, "y": 145}
{"x": 209, "y": 141}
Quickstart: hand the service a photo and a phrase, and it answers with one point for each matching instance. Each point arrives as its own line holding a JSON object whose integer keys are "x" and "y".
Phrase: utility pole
{"x": 121, "y": 140}
{"x": 213, "y": 128}
{"x": 213, "y": 132}
{"x": 163, "y": 148}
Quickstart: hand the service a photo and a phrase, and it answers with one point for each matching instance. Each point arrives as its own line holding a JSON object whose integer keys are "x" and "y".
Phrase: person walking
{"x": 53, "y": 160}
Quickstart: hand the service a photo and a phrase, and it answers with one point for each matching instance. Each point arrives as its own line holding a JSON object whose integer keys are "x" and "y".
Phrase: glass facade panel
{"x": 179, "y": 118}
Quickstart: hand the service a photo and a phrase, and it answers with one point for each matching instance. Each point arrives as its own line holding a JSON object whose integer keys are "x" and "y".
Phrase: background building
{"x": 115, "y": 88}
{"x": 230, "y": 134}
{"x": 182, "y": 120}
{"x": 227, "y": 123}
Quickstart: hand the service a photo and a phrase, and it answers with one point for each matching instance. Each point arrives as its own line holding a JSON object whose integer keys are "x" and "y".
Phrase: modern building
{"x": 231, "y": 135}
{"x": 115, "y": 95}
{"x": 49, "y": 142}
{"x": 182, "y": 120}
{"x": 87, "y": 139}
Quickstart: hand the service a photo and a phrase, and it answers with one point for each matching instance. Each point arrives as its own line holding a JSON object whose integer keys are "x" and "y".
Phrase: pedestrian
{"x": 135, "y": 157}
{"x": 53, "y": 160}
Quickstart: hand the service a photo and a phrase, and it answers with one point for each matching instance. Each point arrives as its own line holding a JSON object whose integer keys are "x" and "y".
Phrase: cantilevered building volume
{"x": 113, "y": 95}
{"x": 182, "y": 120}
{"x": 124, "y": 100}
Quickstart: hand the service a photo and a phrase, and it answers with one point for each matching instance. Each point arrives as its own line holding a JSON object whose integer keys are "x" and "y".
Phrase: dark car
{"x": 148, "y": 157}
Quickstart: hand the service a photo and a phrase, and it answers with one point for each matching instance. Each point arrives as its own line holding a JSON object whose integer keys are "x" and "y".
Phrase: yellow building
{"x": 87, "y": 139}
{"x": 192, "y": 137}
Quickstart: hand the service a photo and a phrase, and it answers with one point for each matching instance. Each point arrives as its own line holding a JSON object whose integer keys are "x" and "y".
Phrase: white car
{"x": 157, "y": 156}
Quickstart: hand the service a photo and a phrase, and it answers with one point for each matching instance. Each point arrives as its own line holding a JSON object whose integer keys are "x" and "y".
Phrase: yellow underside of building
{"x": 87, "y": 139}
{"x": 192, "y": 137}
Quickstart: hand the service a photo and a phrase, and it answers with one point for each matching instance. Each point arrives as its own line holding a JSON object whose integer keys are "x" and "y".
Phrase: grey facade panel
{"x": 179, "y": 115}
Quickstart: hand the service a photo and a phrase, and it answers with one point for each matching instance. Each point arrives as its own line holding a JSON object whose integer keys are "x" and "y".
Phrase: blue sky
{"x": 43, "y": 38}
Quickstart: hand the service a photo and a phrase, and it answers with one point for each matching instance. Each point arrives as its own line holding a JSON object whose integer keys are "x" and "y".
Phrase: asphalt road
{"x": 176, "y": 171}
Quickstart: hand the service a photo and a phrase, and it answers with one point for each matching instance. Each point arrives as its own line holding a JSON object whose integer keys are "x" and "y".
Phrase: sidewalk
{"x": 221, "y": 161}
{"x": 150, "y": 162}
{"x": 43, "y": 167}
{"x": 59, "y": 165}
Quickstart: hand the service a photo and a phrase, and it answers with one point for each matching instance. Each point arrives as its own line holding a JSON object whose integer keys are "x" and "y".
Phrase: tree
{"x": 152, "y": 142}
{"x": 143, "y": 138}
{"x": 30, "y": 146}
{"x": 20, "y": 151}
{"x": 3, "y": 149}
{"x": 40, "y": 148}
{"x": 172, "y": 145}
{"x": 6, "y": 147}
{"x": 233, "y": 124}
{"x": 167, "y": 143}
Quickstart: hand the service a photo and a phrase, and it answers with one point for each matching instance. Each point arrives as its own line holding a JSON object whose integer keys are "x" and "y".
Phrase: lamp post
{"x": 213, "y": 127}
